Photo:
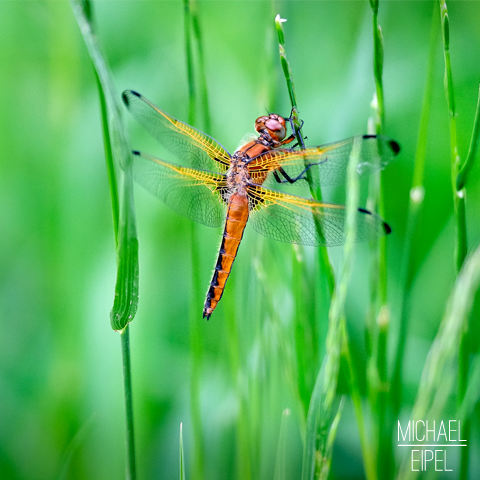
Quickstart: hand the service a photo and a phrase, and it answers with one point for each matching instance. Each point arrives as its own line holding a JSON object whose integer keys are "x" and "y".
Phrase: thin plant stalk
{"x": 119, "y": 166}
{"x": 417, "y": 193}
{"x": 316, "y": 193}
{"x": 306, "y": 327}
{"x": 288, "y": 77}
{"x": 197, "y": 33}
{"x": 325, "y": 407}
{"x": 181, "y": 455}
{"x": 464, "y": 355}
{"x": 321, "y": 400}
{"x": 458, "y": 196}
{"x": 379, "y": 316}
{"x": 459, "y": 175}
{"x": 322, "y": 259}
{"x": 282, "y": 455}
{"x": 127, "y": 384}
{"x": 195, "y": 331}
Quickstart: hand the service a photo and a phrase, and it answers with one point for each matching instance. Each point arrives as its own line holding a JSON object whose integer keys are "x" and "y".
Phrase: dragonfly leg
{"x": 301, "y": 176}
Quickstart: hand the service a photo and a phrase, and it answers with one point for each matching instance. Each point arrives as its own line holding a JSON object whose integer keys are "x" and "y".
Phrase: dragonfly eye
{"x": 274, "y": 124}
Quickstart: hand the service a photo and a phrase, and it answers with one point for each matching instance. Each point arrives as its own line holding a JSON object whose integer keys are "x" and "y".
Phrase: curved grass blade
{"x": 118, "y": 157}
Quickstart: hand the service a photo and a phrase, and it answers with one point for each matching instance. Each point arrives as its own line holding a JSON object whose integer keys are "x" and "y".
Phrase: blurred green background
{"x": 61, "y": 399}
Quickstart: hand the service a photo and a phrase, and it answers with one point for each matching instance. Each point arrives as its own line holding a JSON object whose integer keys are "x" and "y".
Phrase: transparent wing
{"x": 192, "y": 147}
{"x": 327, "y": 164}
{"x": 293, "y": 219}
{"x": 192, "y": 193}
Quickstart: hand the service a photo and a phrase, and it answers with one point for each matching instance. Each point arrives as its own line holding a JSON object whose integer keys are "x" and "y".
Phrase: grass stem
{"x": 378, "y": 317}
{"x": 127, "y": 384}
{"x": 417, "y": 193}
{"x": 119, "y": 168}
{"x": 181, "y": 454}
{"x": 459, "y": 176}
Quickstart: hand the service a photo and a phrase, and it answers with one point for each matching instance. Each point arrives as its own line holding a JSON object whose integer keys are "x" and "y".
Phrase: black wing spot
{"x": 135, "y": 152}
{"x": 125, "y": 98}
{"x": 395, "y": 146}
{"x": 387, "y": 228}
{"x": 363, "y": 210}
{"x": 369, "y": 136}
{"x": 135, "y": 93}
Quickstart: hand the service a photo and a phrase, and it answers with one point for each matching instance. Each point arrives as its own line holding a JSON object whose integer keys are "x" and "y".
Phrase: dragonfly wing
{"x": 327, "y": 164}
{"x": 192, "y": 147}
{"x": 192, "y": 193}
{"x": 293, "y": 219}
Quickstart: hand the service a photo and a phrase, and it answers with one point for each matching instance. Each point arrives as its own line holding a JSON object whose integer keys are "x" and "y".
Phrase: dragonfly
{"x": 215, "y": 188}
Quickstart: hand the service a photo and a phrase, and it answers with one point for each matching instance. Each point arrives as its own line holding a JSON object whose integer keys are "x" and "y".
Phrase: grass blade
{"x": 192, "y": 30}
{"x": 324, "y": 261}
{"x": 288, "y": 77}
{"x": 182, "y": 456}
{"x": 280, "y": 463}
{"x": 305, "y": 379}
{"x": 325, "y": 405}
{"x": 438, "y": 376}
{"x": 118, "y": 158}
{"x": 459, "y": 176}
{"x": 472, "y": 151}
{"x": 415, "y": 206}
{"x": 322, "y": 423}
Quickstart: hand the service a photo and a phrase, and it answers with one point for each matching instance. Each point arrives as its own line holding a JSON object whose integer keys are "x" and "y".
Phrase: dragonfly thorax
{"x": 238, "y": 176}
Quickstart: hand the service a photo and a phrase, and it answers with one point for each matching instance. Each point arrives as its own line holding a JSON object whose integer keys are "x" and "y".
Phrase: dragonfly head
{"x": 273, "y": 125}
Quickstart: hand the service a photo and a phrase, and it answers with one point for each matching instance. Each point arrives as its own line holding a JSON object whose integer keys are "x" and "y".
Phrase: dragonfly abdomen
{"x": 237, "y": 216}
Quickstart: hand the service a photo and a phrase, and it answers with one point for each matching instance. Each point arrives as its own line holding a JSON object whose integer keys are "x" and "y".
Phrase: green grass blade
{"x": 182, "y": 456}
{"x": 306, "y": 344}
{"x": 472, "y": 394}
{"x": 472, "y": 151}
{"x": 417, "y": 193}
{"x": 197, "y": 32}
{"x": 127, "y": 382}
{"x": 280, "y": 462}
{"x": 438, "y": 377}
{"x": 378, "y": 318}
{"x": 289, "y": 79}
{"x": 322, "y": 423}
{"x": 324, "y": 261}
{"x": 325, "y": 405}
{"x": 118, "y": 157}
{"x": 197, "y": 88}
{"x": 190, "y": 65}
{"x": 459, "y": 199}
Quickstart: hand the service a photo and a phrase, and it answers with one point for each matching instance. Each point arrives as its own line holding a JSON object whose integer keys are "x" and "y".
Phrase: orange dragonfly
{"x": 216, "y": 188}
